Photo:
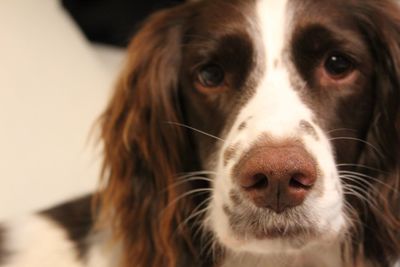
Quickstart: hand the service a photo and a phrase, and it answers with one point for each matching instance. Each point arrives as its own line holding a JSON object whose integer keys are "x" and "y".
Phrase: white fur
{"x": 36, "y": 241}
{"x": 276, "y": 109}
{"x": 103, "y": 253}
{"x": 274, "y": 21}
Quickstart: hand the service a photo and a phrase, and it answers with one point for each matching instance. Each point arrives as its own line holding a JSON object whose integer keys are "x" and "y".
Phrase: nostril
{"x": 257, "y": 181}
{"x": 261, "y": 181}
{"x": 301, "y": 181}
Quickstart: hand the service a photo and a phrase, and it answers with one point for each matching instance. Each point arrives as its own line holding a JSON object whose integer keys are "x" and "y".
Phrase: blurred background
{"x": 58, "y": 63}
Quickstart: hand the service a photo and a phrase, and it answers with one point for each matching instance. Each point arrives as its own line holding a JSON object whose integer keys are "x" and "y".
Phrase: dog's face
{"x": 285, "y": 85}
{"x": 291, "y": 109}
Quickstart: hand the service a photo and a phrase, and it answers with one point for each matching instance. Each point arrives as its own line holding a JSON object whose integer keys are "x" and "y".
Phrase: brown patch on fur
{"x": 77, "y": 219}
{"x": 235, "y": 197}
{"x": 230, "y": 152}
{"x": 227, "y": 210}
{"x": 242, "y": 126}
{"x": 307, "y": 128}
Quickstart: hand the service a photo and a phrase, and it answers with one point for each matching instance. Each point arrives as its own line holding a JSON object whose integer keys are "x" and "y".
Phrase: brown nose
{"x": 277, "y": 177}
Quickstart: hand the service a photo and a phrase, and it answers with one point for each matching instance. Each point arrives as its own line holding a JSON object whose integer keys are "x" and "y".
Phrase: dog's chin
{"x": 267, "y": 243}
{"x": 242, "y": 227}
{"x": 275, "y": 241}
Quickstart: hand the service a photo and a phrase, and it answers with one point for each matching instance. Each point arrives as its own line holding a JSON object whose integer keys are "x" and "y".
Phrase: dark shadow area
{"x": 112, "y": 21}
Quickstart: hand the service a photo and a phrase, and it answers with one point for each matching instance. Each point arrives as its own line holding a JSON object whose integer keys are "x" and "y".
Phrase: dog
{"x": 242, "y": 133}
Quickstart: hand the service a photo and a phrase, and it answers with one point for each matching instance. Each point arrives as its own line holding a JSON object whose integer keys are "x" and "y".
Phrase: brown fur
{"x": 143, "y": 153}
{"x": 380, "y": 226}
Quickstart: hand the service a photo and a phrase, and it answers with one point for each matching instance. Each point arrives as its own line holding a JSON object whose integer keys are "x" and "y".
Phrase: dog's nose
{"x": 277, "y": 177}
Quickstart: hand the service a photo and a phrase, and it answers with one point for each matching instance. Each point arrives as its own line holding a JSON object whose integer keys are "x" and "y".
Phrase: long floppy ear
{"x": 143, "y": 153}
{"x": 380, "y": 162}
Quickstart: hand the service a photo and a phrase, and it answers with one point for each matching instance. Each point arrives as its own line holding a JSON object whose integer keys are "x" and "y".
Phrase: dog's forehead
{"x": 274, "y": 22}
{"x": 268, "y": 23}
{"x": 279, "y": 20}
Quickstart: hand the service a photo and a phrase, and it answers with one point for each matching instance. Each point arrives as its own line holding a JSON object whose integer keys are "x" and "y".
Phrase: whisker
{"x": 360, "y": 176}
{"x": 193, "y": 215}
{"x": 352, "y": 218}
{"x": 186, "y": 194}
{"x": 366, "y": 200}
{"x": 209, "y": 247}
{"x": 360, "y": 183}
{"x": 190, "y": 174}
{"x": 359, "y": 165}
{"x": 353, "y": 192}
{"x": 196, "y": 130}
{"x": 202, "y": 229}
{"x": 366, "y": 197}
{"x": 188, "y": 179}
{"x": 358, "y": 192}
{"x": 359, "y": 140}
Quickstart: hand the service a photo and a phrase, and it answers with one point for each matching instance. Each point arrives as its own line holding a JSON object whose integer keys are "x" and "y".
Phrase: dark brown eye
{"x": 211, "y": 75}
{"x": 338, "y": 66}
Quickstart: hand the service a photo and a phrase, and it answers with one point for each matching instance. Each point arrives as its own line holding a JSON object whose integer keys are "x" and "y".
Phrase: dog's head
{"x": 287, "y": 110}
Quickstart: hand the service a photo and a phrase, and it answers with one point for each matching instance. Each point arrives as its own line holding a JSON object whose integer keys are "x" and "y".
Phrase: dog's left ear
{"x": 144, "y": 151}
{"x": 379, "y": 22}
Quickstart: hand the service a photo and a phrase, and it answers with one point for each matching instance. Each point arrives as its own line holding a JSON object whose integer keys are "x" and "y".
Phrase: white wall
{"x": 53, "y": 85}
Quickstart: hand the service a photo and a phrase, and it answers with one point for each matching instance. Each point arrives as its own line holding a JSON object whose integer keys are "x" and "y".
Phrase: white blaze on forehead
{"x": 273, "y": 17}
{"x": 276, "y": 107}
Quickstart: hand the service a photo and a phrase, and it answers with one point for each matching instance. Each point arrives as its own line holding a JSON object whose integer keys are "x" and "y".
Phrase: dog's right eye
{"x": 211, "y": 76}
{"x": 338, "y": 66}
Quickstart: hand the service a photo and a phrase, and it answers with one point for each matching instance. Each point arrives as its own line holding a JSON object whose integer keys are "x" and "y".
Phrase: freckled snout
{"x": 276, "y": 177}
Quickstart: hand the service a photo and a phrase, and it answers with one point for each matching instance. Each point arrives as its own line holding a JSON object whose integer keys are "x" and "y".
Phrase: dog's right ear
{"x": 143, "y": 153}
{"x": 380, "y": 24}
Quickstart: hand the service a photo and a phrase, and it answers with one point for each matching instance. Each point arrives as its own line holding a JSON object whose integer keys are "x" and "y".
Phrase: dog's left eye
{"x": 338, "y": 66}
{"x": 211, "y": 76}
